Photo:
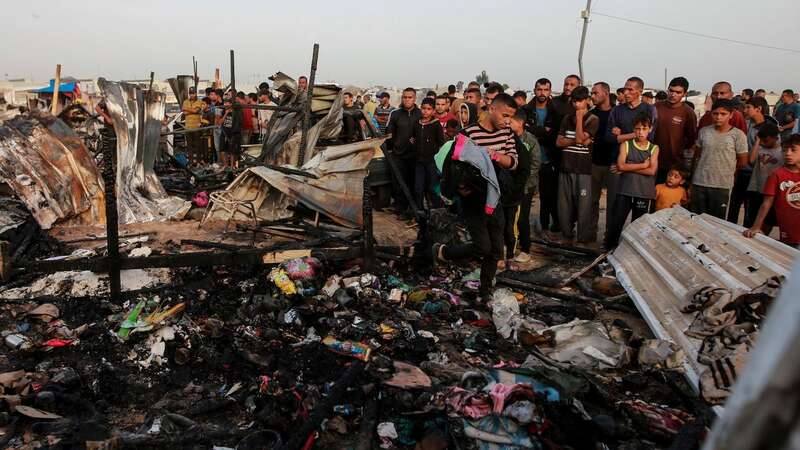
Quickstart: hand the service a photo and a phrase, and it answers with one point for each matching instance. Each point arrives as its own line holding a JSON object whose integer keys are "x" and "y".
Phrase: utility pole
{"x": 233, "y": 74}
{"x": 585, "y": 17}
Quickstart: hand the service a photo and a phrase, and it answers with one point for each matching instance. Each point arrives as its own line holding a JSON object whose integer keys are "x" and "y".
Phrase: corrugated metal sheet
{"x": 664, "y": 257}
{"x": 137, "y": 116}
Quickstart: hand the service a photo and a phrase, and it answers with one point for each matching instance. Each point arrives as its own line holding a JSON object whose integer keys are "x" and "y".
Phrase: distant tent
{"x": 69, "y": 89}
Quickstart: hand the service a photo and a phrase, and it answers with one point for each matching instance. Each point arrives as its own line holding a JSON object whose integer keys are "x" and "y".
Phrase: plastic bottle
{"x": 281, "y": 279}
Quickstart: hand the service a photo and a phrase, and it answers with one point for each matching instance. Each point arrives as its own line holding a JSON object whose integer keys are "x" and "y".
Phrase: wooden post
{"x": 196, "y": 78}
{"x": 109, "y": 146}
{"x": 5, "y": 261}
{"x": 307, "y": 113}
{"x": 367, "y": 227}
{"x": 233, "y": 74}
{"x": 217, "y": 80}
{"x": 56, "y": 85}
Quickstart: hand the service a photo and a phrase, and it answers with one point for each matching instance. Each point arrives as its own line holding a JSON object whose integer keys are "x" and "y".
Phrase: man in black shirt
{"x": 603, "y": 151}
{"x": 558, "y": 108}
{"x": 401, "y": 127}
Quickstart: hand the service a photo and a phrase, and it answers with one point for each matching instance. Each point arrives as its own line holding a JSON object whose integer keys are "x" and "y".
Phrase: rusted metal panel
{"x": 665, "y": 257}
{"x": 48, "y": 167}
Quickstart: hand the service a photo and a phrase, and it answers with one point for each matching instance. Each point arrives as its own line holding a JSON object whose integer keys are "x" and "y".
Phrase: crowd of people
{"x": 233, "y": 127}
{"x": 487, "y": 154}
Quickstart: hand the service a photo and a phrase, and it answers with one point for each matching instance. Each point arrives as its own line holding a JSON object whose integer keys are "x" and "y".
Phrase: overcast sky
{"x": 407, "y": 42}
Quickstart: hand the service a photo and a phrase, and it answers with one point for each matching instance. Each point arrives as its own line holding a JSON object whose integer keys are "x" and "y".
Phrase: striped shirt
{"x": 577, "y": 158}
{"x": 501, "y": 140}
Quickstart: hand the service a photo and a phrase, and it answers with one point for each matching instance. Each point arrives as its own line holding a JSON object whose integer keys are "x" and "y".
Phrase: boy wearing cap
{"x": 383, "y": 110}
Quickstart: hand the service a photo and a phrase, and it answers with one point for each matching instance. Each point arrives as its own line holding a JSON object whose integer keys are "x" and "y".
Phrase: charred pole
{"x": 233, "y": 73}
{"x": 112, "y": 226}
{"x": 369, "y": 248}
{"x": 307, "y": 113}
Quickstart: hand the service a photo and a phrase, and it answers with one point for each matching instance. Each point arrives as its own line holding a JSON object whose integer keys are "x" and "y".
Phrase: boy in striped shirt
{"x": 486, "y": 228}
{"x": 575, "y": 139}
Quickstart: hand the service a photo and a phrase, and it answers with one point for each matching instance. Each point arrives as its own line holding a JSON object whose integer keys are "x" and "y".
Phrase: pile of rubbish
{"x": 308, "y": 353}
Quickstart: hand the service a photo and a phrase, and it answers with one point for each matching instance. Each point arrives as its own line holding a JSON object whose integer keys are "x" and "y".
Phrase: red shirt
{"x": 444, "y": 119}
{"x": 247, "y": 119}
{"x": 784, "y": 186}
{"x": 737, "y": 120}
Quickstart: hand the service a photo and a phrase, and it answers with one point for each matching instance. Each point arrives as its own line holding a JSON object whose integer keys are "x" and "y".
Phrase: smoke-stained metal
{"x": 180, "y": 86}
{"x": 137, "y": 123}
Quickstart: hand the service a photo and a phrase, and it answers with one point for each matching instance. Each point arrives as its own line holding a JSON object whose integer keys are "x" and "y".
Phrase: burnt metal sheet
{"x": 337, "y": 192}
{"x": 180, "y": 87}
{"x": 762, "y": 411}
{"x": 665, "y": 257}
{"x": 137, "y": 115}
{"x": 285, "y": 131}
{"x": 48, "y": 167}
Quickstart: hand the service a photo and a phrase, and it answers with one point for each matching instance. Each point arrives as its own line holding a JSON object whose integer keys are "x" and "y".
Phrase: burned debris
{"x": 280, "y": 306}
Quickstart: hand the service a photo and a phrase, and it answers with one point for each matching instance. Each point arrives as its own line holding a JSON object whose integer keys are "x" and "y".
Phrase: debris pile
{"x": 311, "y": 352}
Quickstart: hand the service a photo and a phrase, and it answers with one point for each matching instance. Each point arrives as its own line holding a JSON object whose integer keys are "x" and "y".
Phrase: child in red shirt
{"x": 783, "y": 190}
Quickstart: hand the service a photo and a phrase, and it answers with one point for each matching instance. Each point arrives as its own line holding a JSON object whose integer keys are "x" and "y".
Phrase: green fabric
{"x": 442, "y": 154}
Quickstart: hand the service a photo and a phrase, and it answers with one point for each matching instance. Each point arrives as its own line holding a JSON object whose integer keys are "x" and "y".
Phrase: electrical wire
{"x": 692, "y": 33}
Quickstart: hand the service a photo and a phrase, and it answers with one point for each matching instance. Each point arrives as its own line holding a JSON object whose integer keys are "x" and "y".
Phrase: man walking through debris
{"x": 192, "y": 110}
{"x": 475, "y": 169}
{"x": 401, "y": 127}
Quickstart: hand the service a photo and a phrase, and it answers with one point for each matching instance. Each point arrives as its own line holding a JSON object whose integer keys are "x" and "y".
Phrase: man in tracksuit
{"x": 401, "y": 127}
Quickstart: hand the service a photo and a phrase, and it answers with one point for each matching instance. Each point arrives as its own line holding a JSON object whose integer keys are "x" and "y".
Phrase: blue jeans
{"x": 426, "y": 177}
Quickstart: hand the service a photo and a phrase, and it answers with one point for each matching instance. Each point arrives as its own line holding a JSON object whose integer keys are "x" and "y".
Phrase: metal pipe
{"x": 189, "y": 130}
{"x": 585, "y": 16}
{"x": 307, "y": 115}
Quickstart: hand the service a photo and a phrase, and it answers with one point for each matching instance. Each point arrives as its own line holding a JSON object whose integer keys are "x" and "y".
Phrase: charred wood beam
{"x": 289, "y": 171}
{"x": 112, "y": 217}
{"x": 580, "y": 250}
{"x": 307, "y": 107}
{"x": 189, "y": 130}
{"x": 191, "y": 259}
{"x": 209, "y": 244}
{"x": 366, "y": 210}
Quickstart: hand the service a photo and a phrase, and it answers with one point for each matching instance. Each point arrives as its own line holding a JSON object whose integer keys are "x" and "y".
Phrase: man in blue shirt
{"x": 787, "y": 114}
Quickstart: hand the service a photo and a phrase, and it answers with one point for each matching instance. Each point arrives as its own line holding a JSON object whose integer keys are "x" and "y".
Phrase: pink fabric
{"x": 501, "y": 394}
{"x": 467, "y": 403}
{"x": 460, "y": 140}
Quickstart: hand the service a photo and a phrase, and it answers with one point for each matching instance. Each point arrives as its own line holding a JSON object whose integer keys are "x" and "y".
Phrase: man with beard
{"x": 536, "y": 112}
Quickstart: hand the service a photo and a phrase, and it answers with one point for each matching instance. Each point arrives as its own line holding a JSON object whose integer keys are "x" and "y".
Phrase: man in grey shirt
{"x": 620, "y": 130}
{"x": 721, "y": 150}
